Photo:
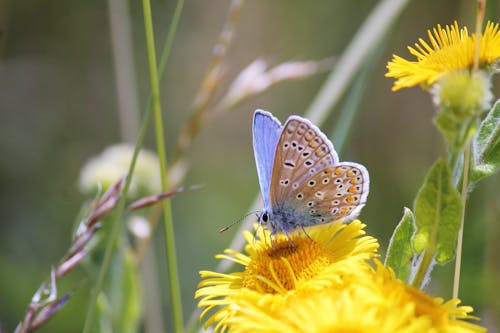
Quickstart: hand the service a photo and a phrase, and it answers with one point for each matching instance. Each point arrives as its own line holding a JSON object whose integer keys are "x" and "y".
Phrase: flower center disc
{"x": 278, "y": 269}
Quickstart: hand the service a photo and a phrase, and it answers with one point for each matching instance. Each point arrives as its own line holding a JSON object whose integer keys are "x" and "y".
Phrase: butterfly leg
{"x": 305, "y": 232}
{"x": 290, "y": 240}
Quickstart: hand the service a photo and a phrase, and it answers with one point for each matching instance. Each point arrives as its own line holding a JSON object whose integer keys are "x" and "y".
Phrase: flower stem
{"x": 175, "y": 297}
{"x": 481, "y": 7}
{"x": 423, "y": 268}
{"x": 458, "y": 257}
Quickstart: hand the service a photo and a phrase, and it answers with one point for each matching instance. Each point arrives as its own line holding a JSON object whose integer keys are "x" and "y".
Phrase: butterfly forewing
{"x": 301, "y": 152}
{"x": 266, "y": 133}
{"x": 335, "y": 193}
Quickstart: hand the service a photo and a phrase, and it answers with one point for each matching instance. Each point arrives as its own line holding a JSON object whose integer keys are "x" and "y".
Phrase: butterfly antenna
{"x": 226, "y": 228}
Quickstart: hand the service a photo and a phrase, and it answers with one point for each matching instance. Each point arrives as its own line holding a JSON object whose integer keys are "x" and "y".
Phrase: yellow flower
{"x": 373, "y": 302}
{"x": 327, "y": 256}
{"x": 449, "y": 49}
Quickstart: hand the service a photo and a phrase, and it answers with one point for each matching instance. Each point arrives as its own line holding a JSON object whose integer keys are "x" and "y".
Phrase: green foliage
{"x": 119, "y": 308}
{"x": 400, "y": 252}
{"x": 486, "y": 146}
{"x": 438, "y": 212}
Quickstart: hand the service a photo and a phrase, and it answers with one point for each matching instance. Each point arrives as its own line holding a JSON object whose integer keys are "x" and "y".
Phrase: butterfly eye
{"x": 265, "y": 217}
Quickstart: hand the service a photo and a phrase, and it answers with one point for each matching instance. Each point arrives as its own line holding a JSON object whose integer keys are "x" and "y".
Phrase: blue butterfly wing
{"x": 266, "y": 133}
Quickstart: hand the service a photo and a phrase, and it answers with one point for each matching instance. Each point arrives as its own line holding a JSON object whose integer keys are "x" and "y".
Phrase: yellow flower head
{"x": 449, "y": 49}
{"x": 373, "y": 302}
{"x": 328, "y": 256}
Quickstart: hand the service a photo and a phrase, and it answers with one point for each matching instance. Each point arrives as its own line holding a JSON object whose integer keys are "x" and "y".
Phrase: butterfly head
{"x": 263, "y": 217}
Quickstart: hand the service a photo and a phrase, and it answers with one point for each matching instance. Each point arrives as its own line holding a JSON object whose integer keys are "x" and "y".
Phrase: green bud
{"x": 460, "y": 96}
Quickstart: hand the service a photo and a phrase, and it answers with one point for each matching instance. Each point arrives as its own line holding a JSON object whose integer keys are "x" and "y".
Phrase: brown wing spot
{"x": 321, "y": 151}
{"x": 308, "y": 163}
{"x": 284, "y": 182}
{"x": 289, "y": 164}
{"x": 300, "y": 196}
{"x": 319, "y": 194}
{"x": 315, "y": 142}
{"x": 312, "y": 183}
{"x": 309, "y": 135}
{"x": 335, "y": 211}
{"x": 326, "y": 180}
{"x": 310, "y": 203}
{"x": 302, "y": 128}
{"x": 335, "y": 202}
{"x": 344, "y": 210}
{"x": 326, "y": 171}
{"x": 353, "y": 189}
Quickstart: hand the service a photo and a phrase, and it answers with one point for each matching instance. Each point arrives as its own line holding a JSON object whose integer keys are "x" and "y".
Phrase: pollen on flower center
{"x": 277, "y": 270}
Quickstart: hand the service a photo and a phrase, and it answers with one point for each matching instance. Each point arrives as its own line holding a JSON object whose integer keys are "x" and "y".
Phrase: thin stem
{"x": 481, "y": 6}
{"x": 175, "y": 296}
{"x": 121, "y": 204}
{"x": 423, "y": 268}
{"x": 458, "y": 258}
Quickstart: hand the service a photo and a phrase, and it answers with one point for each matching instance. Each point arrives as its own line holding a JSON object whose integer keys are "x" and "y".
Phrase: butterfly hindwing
{"x": 335, "y": 193}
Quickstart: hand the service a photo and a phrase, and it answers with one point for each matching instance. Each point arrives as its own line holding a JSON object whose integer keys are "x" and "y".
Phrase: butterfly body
{"x": 301, "y": 179}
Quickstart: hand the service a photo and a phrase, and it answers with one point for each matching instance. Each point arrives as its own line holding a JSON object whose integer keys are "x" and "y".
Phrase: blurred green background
{"x": 58, "y": 107}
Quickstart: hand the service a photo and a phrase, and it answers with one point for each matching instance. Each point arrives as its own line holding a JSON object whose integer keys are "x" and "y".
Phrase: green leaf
{"x": 400, "y": 252}
{"x": 486, "y": 146}
{"x": 437, "y": 212}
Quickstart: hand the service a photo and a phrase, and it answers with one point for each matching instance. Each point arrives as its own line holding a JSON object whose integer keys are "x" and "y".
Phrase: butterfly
{"x": 300, "y": 176}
